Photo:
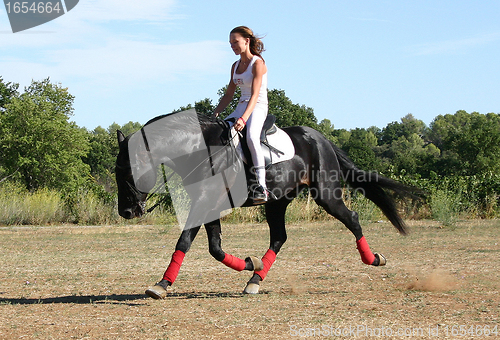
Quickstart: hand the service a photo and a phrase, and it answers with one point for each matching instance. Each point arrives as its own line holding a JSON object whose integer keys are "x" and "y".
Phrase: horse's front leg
{"x": 214, "y": 232}
{"x": 275, "y": 214}
{"x": 159, "y": 290}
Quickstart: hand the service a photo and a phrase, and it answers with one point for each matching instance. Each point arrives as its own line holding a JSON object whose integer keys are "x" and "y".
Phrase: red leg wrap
{"x": 234, "y": 262}
{"x": 268, "y": 261}
{"x": 364, "y": 250}
{"x": 174, "y": 266}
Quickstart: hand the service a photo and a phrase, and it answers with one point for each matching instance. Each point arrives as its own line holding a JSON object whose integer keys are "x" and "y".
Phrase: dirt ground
{"x": 66, "y": 282}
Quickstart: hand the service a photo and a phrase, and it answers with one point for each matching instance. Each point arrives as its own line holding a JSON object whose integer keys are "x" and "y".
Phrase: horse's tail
{"x": 374, "y": 187}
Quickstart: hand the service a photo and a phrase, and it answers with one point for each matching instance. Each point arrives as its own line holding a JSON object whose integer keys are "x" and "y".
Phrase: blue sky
{"x": 356, "y": 63}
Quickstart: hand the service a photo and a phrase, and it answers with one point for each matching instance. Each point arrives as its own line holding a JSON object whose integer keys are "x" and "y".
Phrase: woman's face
{"x": 238, "y": 43}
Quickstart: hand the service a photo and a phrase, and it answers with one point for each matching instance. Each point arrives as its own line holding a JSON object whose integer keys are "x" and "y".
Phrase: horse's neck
{"x": 184, "y": 146}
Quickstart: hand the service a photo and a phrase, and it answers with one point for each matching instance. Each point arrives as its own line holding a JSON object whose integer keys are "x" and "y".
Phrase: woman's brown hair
{"x": 256, "y": 44}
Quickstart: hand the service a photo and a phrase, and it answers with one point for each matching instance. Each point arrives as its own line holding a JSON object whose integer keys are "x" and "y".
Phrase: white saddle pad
{"x": 279, "y": 140}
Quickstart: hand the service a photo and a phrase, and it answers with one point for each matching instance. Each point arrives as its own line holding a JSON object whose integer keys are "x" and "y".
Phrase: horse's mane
{"x": 177, "y": 121}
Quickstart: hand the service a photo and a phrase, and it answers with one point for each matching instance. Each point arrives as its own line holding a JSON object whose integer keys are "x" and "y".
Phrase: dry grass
{"x": 88, "y": 282}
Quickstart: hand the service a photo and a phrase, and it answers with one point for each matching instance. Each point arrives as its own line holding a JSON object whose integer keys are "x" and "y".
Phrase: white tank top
{"x": 245, "y": 79}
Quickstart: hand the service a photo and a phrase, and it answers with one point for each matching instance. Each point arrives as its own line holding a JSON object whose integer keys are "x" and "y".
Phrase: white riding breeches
{"x": 254, "y": 128}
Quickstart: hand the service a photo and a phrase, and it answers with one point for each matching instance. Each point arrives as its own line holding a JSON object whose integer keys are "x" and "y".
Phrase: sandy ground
{"x": 65, "y": 282}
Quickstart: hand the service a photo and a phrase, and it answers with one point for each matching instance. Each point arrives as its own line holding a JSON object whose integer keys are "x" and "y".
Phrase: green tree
{"x": 412, "y": 156}
{"x": 470, "y": 143}
{"x": 360, "y": 148}
{"x": 289, "y": 114}
{"x": 404, "y": 148}
{"x": 127, "y": 129}
{"x": 234, "y": 102}
{"x": 7, "y": 92}
{"x": 204, "y": 107}
{"x": 341, "y": 137}
{"x": 103, "y": 150}
{"x": 101, "y": 157}
{"x": 327, "y": 129}
{"x": 409, "y": 125}
{"x": 38, "y": 141}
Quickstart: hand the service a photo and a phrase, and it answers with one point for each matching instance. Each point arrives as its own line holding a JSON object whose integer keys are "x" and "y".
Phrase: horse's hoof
{"x": 382, "y": 260}
{"x": 157, "y": 292}
{"x": 251, "y": 288}
{"x": 257, "y": 263}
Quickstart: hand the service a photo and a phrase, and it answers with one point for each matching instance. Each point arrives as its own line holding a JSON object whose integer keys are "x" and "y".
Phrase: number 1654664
{"x": 470, "y": 331}
{"x": 26, "y": 7}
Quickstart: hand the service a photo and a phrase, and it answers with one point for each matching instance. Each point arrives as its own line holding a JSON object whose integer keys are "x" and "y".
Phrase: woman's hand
{"x": 240, "y": 124}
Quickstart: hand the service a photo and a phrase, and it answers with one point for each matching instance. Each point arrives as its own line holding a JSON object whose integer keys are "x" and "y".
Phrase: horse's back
{"x": 314, "y": 155}
{"x": 309, "y": 141}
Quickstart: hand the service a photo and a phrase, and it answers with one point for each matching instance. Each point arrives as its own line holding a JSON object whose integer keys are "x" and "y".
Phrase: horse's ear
{"x": 120, "y": 135}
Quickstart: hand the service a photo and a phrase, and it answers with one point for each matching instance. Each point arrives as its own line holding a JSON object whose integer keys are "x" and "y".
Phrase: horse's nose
{"x": 127, "y": 213}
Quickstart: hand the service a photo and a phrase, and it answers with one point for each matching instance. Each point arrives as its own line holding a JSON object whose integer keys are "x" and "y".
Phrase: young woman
{"x": 250, "y": 74}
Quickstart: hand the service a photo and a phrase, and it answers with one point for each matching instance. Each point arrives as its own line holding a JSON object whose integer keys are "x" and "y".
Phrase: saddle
{"x": 268, "y": 129}
{"x": 276, "y": 143}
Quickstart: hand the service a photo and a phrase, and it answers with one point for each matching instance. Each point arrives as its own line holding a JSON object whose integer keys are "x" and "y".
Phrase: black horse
{"x": 318, "y": 164}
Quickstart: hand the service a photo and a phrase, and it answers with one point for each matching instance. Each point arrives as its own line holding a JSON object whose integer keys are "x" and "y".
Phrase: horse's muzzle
{"x": 133, "y": 212}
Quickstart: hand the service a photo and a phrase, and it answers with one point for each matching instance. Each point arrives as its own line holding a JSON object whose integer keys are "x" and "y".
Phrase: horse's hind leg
{"x": 275, "y": 214}
{"x": 336, "y": 207}
{"x": 214, "y": 231}
{"x": 159, "y": 290}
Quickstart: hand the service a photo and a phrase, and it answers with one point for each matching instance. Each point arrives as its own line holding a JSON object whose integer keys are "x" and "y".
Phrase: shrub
{"x": 445, "y": 207}
{"x": 20, "y": 206}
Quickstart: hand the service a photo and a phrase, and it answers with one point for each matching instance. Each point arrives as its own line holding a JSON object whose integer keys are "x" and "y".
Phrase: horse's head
{"x": 132, "y": 192}
{"x": 179, "y": 141}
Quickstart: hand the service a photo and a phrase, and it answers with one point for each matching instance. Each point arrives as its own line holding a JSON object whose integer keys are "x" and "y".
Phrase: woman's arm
{"x": 227, "y": 97}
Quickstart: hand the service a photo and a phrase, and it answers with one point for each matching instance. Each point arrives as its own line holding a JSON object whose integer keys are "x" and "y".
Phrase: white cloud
{"x": 84, "y": 45}
{"x": 121, "y": 62}
{"x": 87, "y": 20}
{"x": 137, "y": 60}
{"x": 369, "y": 19}
{"x": 124, "y": 10}
{"x": 457, "y": 45}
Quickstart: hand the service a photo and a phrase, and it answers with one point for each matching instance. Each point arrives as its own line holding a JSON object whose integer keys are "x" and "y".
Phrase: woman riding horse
{"x": 250, "y": 74}
{"x": 317, "y": 164}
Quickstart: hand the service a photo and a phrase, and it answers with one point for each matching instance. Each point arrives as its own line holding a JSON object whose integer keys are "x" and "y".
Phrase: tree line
{"x": 456, "y": 155}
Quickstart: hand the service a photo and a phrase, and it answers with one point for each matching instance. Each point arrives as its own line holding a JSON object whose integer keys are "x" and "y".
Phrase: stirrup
{"x": 259, "y": 194}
